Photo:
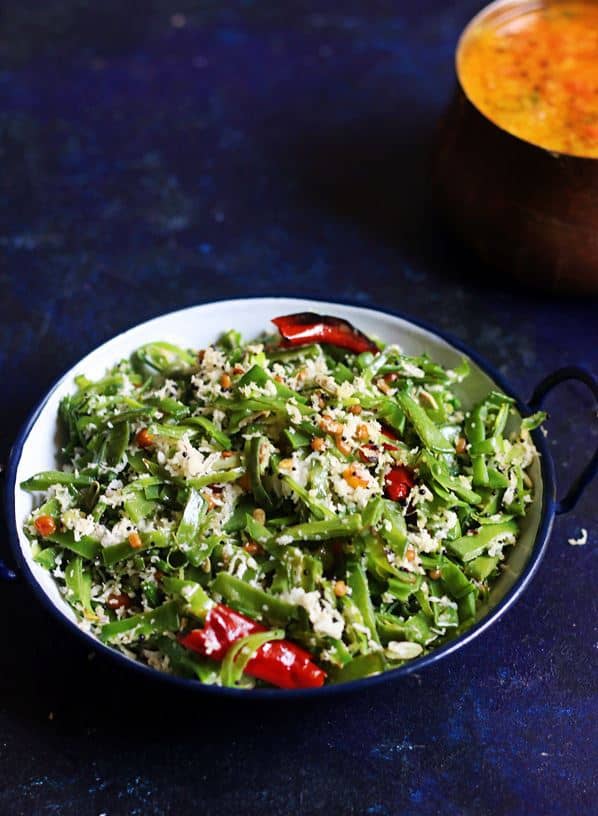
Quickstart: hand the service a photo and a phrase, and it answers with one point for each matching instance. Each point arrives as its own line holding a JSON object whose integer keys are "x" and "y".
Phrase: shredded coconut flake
{"x": 403, "y": 650}
{"x": 325, "y": 619}
{"x": 578, "y": 542}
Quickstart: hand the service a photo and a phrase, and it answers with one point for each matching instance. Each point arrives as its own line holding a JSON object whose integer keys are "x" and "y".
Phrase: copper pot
{"x": 527, "y": 211}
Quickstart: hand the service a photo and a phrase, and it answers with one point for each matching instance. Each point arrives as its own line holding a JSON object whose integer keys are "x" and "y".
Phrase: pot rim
{"x": 547, "y": 514}
{"x": 486, "y": 11}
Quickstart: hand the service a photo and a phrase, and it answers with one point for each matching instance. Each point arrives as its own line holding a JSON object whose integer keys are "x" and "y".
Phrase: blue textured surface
{"x": 149, "y": 162}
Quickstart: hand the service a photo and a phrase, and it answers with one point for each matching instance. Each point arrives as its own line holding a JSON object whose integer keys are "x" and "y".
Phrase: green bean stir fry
{"x": 286, "y": 512}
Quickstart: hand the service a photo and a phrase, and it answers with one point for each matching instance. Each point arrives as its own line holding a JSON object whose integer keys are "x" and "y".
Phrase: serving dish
{"x": 521, "y": 207}
{"x": 35, "y": 450}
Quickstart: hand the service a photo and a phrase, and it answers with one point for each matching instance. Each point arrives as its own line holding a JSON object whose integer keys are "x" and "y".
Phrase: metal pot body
{"x": 526, "y": 211}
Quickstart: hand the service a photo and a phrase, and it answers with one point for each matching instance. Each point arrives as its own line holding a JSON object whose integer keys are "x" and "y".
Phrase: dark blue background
{"x": 149, "y": 162}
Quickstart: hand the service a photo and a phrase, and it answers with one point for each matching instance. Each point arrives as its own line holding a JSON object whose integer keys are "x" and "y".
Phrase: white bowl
{"x": 197, "y": 326}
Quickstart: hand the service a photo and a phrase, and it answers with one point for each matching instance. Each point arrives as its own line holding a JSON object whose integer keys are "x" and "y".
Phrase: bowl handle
{"x": 543, "y": 388}
{"x": 6, "y": 573}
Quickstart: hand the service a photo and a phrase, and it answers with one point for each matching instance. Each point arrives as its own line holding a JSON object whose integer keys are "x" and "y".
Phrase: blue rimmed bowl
{"x": 36, "y": 449}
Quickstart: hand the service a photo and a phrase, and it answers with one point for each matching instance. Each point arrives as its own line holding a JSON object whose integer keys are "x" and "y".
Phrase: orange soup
{"x": 533, "y": 70}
